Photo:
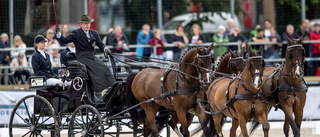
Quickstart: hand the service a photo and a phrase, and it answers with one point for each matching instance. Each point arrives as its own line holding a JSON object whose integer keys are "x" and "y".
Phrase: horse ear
{"x": 229, "y": 50}
{"x": 249, "y": 52}
{"x": 242, "y": 51}
{"x": 260, "y": 50}
{"x": 289, "y": 40}
{"x": 300, "y": 40}
{"x": 210, "y": 47}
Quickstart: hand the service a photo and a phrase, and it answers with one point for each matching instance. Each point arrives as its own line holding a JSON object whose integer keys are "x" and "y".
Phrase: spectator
{"x": 118, "y": 40}
{"x": 290, "y": 34}
{"x": 143, "y": 38}
{"x": 237, "y": 36}
{"x": 55, "y": 58}
{"x": 179, "y": 39}
{"x": 254, "y": 32}
{"x": 259, "y": 38}
{"x": 196, "y": 36}
{"x": 104, "y": 40}
{"x": 5, "y": 39}
{"x": 311, "y": 26}
{"x": 18, "y": 46}
{"x": 2, "y": 58}
{"x": 304, "y": 32}
{"x": 230, "y": 27}
{"x": 63, "y": 55}
{"x": 18, "y": 72}
{"x": 64, "y": 32}
{"x": 267, "y": 27}
{"x": 51, "y": 41}
{"x": 5, "y": 57}
{"x": 315, "y": 35}
{"x": 158, "y": 42}
{"x": 219, "y": 38}
{"x": 272, "y": 51}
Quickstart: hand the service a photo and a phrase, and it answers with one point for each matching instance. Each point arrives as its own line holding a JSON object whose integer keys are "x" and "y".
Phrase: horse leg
{"x": 182, "y": 117}
{"x": 173, "y": 124}
{"x": 146, "y": 128}
{"x": 243, "y": 125}
{"x": 234, "y": 127}
{"x": 289, "y": 120}
{"x": 217, "y": 123}
{"x": 263, "y": 119}
{"x": 151, "y": 110}
{"x": 298, "y": 111}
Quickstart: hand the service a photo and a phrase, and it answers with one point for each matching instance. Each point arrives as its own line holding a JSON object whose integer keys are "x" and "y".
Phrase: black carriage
{"x": 76, "y": 108}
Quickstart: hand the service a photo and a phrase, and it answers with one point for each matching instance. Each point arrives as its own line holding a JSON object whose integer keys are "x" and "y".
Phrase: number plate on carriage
{"x": 35, "y": 82}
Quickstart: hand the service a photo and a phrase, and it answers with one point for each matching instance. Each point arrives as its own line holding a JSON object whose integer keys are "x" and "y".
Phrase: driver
{"x": 41, "y": 64}
{"x": 85, "y": 40}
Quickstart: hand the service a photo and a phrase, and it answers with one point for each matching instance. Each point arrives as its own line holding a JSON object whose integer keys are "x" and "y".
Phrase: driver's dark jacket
{"x": 42, "y": 66}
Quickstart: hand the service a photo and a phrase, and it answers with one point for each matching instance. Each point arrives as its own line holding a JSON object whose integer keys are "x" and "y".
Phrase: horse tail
{"x": 207, "y": 125}
{"x": 136, "y": 114}
{"x": 255, "y": 124}
{"x": 162, "y": 118}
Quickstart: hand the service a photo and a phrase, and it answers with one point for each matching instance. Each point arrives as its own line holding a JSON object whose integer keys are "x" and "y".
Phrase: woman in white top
{"x": 18, "y": 72}
{"x": 51, "y": 41}
{"x": 18, "y": 47}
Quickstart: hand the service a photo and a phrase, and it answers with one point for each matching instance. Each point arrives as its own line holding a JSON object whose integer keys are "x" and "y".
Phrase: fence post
{"x": 159, "y": 10}
{"x": 154, "y": 51}
{"x": 239, "y": 45}
{"x": 11, "y": 20}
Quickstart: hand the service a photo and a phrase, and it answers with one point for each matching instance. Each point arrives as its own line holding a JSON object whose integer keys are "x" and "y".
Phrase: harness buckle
{"x": 253, "y": 105}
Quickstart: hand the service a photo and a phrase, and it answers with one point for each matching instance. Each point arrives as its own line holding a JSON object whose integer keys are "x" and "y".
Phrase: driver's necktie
{"x": 87, "y": 33}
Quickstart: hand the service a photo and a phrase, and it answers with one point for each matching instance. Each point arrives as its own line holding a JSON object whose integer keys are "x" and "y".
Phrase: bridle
{"x": 296, "y": 63}
{"x": 252, "y": 75}
{"x": 236, "y": 61}
{"x": 197, "y": 61}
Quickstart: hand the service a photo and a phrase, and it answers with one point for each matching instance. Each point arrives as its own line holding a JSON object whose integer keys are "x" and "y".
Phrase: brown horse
{"x": 238, "y": 98}
{"x": 180, "y": 83}
{"x": 285, "y": 86}
{"x": 231, "y": 62}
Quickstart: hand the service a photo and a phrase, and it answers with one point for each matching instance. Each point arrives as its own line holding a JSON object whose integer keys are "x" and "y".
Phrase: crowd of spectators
{"x": 14, "y": 62}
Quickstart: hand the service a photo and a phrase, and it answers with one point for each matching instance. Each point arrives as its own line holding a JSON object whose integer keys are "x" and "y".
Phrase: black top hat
{"x": 39, "y": 38}
{"x": 85, "y": 18}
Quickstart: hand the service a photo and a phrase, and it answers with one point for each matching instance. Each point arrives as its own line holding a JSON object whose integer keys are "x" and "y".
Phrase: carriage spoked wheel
{"x": 86, "y": 121}
{"x": 33, "y": 115}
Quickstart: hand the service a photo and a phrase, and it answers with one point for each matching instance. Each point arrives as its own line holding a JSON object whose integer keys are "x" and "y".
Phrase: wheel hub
{"x": 32, "y": 128}
{"x": 83, "y": 133}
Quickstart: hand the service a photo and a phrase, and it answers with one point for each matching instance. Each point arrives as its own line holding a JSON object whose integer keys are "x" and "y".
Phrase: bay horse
{"x": 285, "y": 87}
{"x": 181, "y": 84}
{"x": 238, "y": 98}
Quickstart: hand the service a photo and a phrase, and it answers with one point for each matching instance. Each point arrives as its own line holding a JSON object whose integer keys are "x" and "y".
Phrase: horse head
{"x": 236, "y": 63}
{"x": 203, "y": 61}
{"x": 254, "y": 65}
{"x": 295, "y": 56}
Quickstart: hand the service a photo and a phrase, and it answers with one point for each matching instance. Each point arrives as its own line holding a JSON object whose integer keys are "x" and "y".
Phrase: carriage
{"x": 76, "y": 109}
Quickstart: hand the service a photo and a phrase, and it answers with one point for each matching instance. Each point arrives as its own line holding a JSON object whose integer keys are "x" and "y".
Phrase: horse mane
{"x": 185, "y": 53}
{"x": 222, "y": 57}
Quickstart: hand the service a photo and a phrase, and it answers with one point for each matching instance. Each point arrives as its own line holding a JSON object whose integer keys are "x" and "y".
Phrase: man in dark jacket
{"x": 118, "y": 40}
{"x": 237, "y": 36}
{"x": 85, "y": 40}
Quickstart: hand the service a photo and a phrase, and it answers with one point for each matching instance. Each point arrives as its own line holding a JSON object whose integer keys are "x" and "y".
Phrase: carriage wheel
{"x": 86, "y": 121}
{"x": 26, "y": 120}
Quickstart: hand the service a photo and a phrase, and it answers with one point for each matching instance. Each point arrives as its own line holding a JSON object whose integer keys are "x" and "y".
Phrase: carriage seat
{"x": 76, "y": 68}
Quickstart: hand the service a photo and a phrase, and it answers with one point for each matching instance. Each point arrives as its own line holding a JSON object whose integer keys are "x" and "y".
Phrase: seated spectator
{"x": 219, "y": 38}
{"x": 18, "y": 72}
{"x": 51, "y": 41}
{"x": 179, "y": 39}
{"x": 104, "y": 40}
{"x": 196, "y": 36}
{"x": 315, "y": 35}
{"x": 63, "y": 55}
{"x": 5, "y": 59}
{"x": 272, "y": 51}
{"x": 290, "y": 34}
{"x": 18, "y": 46}
{"x": 259, "y": 38}
{"x": 41, "y": 64}
{"x": 158, "y": 42}
{"x": 237, "y": 36}
{"x": 254, "y": 32}
{"x": 55, "y": 58}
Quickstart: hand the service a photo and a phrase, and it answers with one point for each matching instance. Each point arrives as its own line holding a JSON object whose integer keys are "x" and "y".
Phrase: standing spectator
{"x": 104, "y": 40}
{"x": 267, "y": 27}
{"x": 254, "y": 32}
{"x": 118, "y": 40}
{"x": 196, "y": 36}
{"x": 303, "y": 32}
{"x": 5, "y": 39}
{"x": 63, "y": 55}
{"x": 18, "y": 46}
{"x": 2, "y": 58}
{"x": 272, "y": 51}
{"x": 18, "y": 72}
{"x": 290, "y": 34}
{"x": 230, "y": 26}
{"x": 143, "y": 38}
{"x": 237, "y": 36}
{"x": 6, "y": 57}
{"x": 179, "y": 39}
{"x": 219, "y": 38}
{"x": 158, "y": 42}
{"x": 315, "y": 35}
{"x": 51, "y": 41}
{"x": 64, "y": 32}
{"x": 259, "y": 38}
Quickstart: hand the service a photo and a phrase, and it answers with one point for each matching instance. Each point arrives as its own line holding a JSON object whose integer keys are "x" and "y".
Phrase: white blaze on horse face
{"x": 208, "y": 77}
{"x": 256, "y": 79}
{"x": 297, "y": 70}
